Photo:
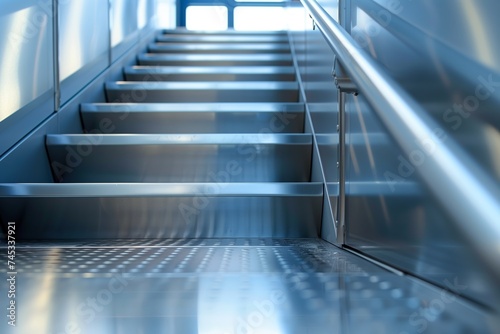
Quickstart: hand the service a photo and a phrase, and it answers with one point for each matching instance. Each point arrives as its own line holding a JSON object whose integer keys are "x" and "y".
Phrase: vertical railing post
{"x": 344, "y": 86}
{"x": 55, "y": 54}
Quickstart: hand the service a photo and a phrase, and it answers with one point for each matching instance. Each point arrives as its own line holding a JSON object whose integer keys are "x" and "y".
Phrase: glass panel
{"x": 206, "y": 18}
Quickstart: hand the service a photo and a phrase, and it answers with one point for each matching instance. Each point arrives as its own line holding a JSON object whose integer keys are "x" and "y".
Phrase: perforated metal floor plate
{"x": 222, "y": 286}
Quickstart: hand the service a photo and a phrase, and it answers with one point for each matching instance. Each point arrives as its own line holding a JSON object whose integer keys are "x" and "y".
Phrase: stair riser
{"x": 193, "y": 122}
{"x": 148, "y": 93}
{"x": 163, "y": 217}
{"x": 243, "y": 162}
{"x": 215, "y": 49}
{"x": 158, "y": 76}
{"x": 168, "y": 60}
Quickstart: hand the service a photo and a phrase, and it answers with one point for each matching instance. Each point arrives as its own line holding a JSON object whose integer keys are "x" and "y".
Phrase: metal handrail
{"x": 470, "y": 196}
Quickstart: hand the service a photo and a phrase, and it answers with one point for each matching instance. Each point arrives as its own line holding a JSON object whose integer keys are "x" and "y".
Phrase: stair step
{"x": 215, "y": 60}
{"x": 219, "y": 48}
{"x": 176, "y": 38}
{"x": 163, "y": 210}
{"x": 181, "y": 158}
{"x": 258, "y": 91}
{"x": 209, "y": 73}
{"x": 199, "y": 118}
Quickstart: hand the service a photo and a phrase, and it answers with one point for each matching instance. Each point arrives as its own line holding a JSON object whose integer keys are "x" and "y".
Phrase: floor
{"x": 223, "y": 286}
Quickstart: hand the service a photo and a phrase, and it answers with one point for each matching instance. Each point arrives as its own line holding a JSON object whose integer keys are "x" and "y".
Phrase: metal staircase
{"x": 221, "y": 147}
{"x": 187, "y": 202}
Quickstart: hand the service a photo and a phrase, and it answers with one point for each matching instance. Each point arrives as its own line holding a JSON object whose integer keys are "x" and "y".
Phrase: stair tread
{"x": 181, "y": 139}
{"x": 210, "y": 69}
{"x": 193, "y": 107}
{"x": 236, "y": 57}
{"x": 204, "y": 85}
{"x": 218, "y": 46}
{"x": 220, "y": 39}
{"x": 228, "y": 32}
{"x": 240, "y": 189}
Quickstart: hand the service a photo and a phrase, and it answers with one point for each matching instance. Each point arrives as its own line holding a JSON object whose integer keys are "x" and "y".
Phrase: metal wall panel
{"x": 25, "y": 54}
{"x": 83, "y": 43}
{"x": 450, "y": 65}
{"x": 469, "y": 27}
{"x": 446, "y": 55}
{"x": 26, "y": 62}
{"x": 131, "y": 20}
{"x": 124, "y": 20}
{"x": 146, "y": 13}
{"x": 27, "y": 76}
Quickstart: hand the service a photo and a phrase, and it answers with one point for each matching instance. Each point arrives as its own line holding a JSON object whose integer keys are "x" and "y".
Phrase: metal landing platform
{"x": 224, "y": 286}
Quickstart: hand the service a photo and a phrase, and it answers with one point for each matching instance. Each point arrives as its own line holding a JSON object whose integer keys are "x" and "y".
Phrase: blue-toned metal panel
{"x": 124, "y": 18}
{"x": 26, "y": 63}
{"x": 127, "y": 17}
{"x": 469, "y": 27}
{"x": 131, "y": 20}
{"x": 83, "y": 43}
{"x": 146, "y": 13}
{"x": 445, "y": 55}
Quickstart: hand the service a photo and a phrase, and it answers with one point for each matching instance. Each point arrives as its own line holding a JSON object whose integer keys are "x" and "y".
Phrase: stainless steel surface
{"x": 130, "y": 22}
{"x": 207, "y": 73}
{"x": 222, "y": 48}
{"x": 341, "y": 166}
{"x": 40, "y": 190}
{"x": 255, "y": 91}
{"x": 225, "y": 286}
{"x": 25, "y": 54}
{"x": 152, "y": 59}
{"x": 181, "y": 158}
{"x": 82, "y": 41}
{"x": 26, "y": 68}
{"x": 193, "y": 117}
{"x": 444, "y": 69}
{"x": 222, "y": 207}
{"x": 124, "y": 20}
{"x": 472, "y": 43}
{"x": 115, "y": 256}
{"x": 409, "y": 124}
{"x": 180, "y": 210}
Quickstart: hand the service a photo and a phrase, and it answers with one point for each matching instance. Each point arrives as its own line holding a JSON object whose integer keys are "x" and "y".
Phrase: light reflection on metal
{"x": 408, "y": 122}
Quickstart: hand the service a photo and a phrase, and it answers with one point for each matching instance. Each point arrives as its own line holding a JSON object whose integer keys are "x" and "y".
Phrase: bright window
{"x": 269, "y": 18}
{"x": 166, "y": 14}
{"x": 206, "y": 18}
{"x": 261, "y": 0}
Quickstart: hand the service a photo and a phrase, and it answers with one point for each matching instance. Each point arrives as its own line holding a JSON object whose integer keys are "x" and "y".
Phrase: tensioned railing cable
{"x": 469, "y": 195}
